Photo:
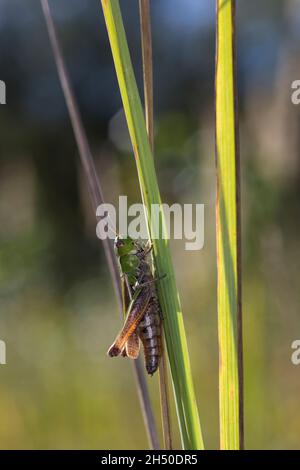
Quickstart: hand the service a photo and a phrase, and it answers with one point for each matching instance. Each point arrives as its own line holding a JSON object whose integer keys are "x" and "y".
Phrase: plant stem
{"x": 228, "y": 233}
{"x": 97, "y": 199}
{"x": 146, "y": 40}
{"x": 168, "y": 295}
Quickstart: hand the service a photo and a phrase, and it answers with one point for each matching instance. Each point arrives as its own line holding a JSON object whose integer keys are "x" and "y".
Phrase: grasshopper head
{"x": 124, "y": 246}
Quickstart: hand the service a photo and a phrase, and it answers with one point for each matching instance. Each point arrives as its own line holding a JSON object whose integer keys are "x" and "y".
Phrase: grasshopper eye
{"x": 119, "y": 242}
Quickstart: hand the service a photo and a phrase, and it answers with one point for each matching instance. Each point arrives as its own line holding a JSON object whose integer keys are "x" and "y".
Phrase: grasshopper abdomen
{"x": 149, "y": 331}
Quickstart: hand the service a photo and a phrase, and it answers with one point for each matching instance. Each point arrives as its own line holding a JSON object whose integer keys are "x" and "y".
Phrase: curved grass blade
{"x": 168, "y": 295}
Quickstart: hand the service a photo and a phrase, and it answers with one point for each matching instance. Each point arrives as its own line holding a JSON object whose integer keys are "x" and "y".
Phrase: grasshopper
{"x": 143, "y": 312}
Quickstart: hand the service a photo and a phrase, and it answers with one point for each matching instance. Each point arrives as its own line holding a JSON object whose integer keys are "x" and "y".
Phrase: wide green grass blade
{"x": 228, "y": 233}
{"x": 168, "y": 295}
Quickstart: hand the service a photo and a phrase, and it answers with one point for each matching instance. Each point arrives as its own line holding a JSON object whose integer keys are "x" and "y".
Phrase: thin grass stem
{"x": 146, "y": 41}
{"x": 97, "y": 199}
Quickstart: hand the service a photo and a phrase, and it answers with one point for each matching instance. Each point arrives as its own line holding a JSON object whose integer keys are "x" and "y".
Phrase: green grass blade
{"x": 173, "y": 321}
{"x": 228, "y": 233}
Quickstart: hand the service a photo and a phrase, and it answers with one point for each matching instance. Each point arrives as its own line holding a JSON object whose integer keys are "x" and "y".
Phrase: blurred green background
{"x": 58, "y": 313}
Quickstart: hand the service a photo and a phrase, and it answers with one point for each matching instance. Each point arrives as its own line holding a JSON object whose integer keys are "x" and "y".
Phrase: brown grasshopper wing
{"x": 132, "y": 347}
{"x": 135, "y": 313}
